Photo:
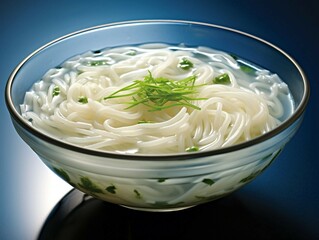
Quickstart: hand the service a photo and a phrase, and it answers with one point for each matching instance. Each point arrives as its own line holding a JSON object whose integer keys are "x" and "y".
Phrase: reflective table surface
{"x": 282, "y": 203}
{"x": 78, "y": 216}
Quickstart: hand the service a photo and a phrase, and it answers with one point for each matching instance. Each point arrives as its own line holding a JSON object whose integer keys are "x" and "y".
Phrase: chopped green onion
{"x": 87, "y": 184}
{"x": 83, "y": 100}
{"x": 222, "y": 79}
{"x": 235, "y": 57}
{"x": 161, "y": 180}
{"x": 56, "y": 91}
{"x": 192, "y": 149}
{"x": 131, "y": 53}
{"x": 185, "y": 64}
{"x": 137, "y": 194}
{"x": 208, "y": 181}
{"x": 247, "y": 69}
{"x": 62, "y": 174}
{"x": 111, "y": 189}
{"x": 97, "y": 63}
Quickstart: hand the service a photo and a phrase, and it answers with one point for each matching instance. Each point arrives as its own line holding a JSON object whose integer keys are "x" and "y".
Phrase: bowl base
{"x": 157, "y": 209}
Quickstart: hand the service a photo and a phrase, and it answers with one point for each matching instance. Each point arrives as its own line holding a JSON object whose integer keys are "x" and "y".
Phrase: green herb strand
{"x": 160, "y": 93}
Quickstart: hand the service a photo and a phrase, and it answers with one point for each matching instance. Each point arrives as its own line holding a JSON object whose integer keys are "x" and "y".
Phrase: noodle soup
{"x": 157, "y": 99}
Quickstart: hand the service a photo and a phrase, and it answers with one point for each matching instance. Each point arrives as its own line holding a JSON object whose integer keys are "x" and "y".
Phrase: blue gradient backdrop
{"x": 287, "y": 194}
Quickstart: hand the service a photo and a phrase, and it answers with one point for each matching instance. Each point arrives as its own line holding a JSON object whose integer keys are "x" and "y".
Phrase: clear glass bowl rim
{"x": 161, "y": 157}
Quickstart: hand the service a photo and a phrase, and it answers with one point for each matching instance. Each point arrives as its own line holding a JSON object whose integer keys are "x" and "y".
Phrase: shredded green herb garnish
{"x": 144, "y": 121}
{"x": 186, "y": 64}
{"x": 222, "y": 79}
{"x": 56, "y": 91}
{"x": 160, "y": 93}
{"x": 83, "y": 100}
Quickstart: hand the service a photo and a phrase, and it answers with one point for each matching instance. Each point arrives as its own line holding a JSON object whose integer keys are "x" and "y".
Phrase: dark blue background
{"x": 286, "y": 196}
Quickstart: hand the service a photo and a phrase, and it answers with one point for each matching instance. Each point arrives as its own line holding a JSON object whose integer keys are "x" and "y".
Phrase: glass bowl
{"x": 158, "y": 182}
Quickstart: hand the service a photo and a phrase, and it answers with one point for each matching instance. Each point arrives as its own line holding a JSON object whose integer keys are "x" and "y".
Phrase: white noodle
{"x": 230, "y": 114}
